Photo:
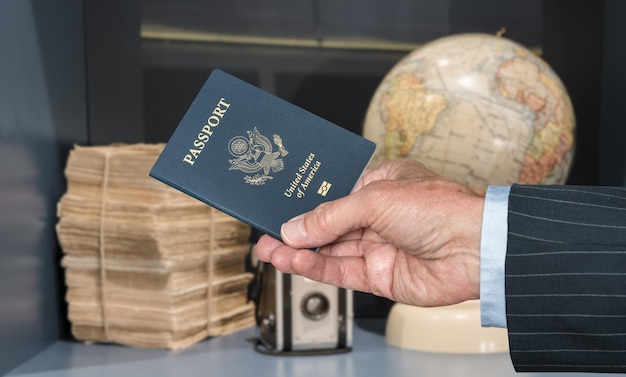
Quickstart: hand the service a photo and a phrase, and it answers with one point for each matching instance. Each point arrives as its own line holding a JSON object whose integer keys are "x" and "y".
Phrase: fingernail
{"x": 293, "y": 230}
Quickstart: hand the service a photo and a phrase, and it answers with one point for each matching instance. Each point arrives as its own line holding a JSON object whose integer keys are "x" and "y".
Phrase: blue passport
{"x": 257, "y": 157}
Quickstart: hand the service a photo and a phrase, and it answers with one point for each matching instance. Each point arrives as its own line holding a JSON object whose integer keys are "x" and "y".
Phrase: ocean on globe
{"x": 477, "y": 108}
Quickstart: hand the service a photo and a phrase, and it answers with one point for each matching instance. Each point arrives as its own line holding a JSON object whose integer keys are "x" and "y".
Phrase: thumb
{"x": 326, "y": 223}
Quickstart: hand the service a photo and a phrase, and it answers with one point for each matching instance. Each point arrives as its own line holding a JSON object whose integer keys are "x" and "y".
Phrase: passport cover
{"x": 257, "y": 157}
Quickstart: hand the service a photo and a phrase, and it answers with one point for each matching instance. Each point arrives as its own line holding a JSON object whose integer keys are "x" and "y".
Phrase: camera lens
{"x": 315, "y": 306}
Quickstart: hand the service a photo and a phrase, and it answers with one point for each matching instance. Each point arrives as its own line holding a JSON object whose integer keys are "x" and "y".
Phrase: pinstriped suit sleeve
{"x": 565, "y": 278}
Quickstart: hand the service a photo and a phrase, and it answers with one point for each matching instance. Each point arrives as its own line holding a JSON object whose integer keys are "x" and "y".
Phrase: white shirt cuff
{"x": 492, "y": 257}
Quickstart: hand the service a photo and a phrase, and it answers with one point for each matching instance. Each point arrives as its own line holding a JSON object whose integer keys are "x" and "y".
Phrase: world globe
{"x": 477, "y": 108}
{"x": 483, "y": 110}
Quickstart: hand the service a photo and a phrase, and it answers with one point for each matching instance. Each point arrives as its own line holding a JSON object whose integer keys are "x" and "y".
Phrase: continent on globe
{"x": 478, "y": 108}
{"x": 409, "y": 102}
{"x": 553, "y": 136}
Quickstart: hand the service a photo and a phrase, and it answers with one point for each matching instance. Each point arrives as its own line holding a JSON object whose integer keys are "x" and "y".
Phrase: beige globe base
{"x": 448, "y": 329}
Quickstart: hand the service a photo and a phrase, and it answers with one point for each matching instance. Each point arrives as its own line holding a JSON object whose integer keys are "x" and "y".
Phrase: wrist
{"x": 471, "y": 223}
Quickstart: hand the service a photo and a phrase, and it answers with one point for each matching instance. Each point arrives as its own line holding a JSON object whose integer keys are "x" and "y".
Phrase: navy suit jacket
{"x": 565, "y": 278}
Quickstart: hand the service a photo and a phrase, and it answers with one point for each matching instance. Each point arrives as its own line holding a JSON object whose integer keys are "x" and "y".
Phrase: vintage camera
{"x": 296, "y": 315}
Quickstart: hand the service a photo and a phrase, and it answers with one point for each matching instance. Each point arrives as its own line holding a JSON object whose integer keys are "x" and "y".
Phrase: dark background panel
{"x": 575, "y": 53}
{"x": 522, "y": 20}
{"x": 398, "y": 21}
{"x": 113, "y": 68}
{"x": 612, "y": 121}
{"x": 233, "y": 18}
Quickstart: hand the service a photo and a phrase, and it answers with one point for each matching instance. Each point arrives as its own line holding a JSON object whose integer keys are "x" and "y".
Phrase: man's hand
{"x": 405, "y": 233}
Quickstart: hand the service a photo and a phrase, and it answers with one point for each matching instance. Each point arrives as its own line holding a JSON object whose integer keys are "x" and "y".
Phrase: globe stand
{"x": 448, "y": 329}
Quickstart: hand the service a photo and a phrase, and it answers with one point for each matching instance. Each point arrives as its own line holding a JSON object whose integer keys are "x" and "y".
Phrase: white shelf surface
{"x": 233, "y": 355}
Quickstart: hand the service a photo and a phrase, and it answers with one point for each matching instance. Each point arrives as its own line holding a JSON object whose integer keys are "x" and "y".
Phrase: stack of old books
{"x": 146, "y": 265}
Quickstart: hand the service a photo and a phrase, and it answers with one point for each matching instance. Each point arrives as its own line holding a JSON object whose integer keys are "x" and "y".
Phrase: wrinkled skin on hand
{"x": 404, "y": 233}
